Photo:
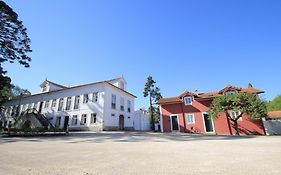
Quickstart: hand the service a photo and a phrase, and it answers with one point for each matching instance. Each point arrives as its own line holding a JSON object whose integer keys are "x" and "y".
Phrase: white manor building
{"x": 104, "y": 105}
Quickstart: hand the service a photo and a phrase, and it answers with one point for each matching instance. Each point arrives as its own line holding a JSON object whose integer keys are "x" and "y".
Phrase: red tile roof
{"x": 274, "y": 115}
{"x": 208, "y": 95}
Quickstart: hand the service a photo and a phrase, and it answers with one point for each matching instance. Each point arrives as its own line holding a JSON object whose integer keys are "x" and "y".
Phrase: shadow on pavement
{"x": 122, "y": 137}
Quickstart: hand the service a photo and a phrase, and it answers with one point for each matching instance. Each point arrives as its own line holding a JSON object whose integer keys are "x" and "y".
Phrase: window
{"x": 54, "y": 103}
{"x": 68, "y": 103}
{"x": 35, "y": 106}
{"x": 83, "y": 119}
{"x": 112, "y": 115}
{"x": 113, "y": 101}
{"x": 26, "y": 107}
{"x": 74, "y": 120}
{"x": 122, "y": 104}
{"x": 29, "y": 106}
{"x": 95, "y": 97}
{"x": 122, "y": 85}
{"x": 234, "y": 115}
{"x": 60, "y": 104}
{"x": 188, "y": 100}
{"x": 47, "y": 103}
{"x": 189, "y": 118}
{"x": 76, "y": 102}
{"x": 230, "y": 93}
{"x": 58, "y": 122}
{"x": 18, "y": 110}
{"x": 85, "y": 98}
{"x": 93, "y": 118}
{"x": 13, "y": 109}
{"x": 129, "y": 106}
{"x": 45, "y": 88}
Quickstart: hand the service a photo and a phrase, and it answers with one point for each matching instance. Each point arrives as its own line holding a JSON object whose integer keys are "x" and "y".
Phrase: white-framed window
{"x": 18, "y": 110}
{"x": 113, "y": 101}
{"x": 95, "y": 97}
{"x": 230, "y": 93}
{"x": 60, "y": 104}
{"x": 54, "y": 103}
{"x": 47, "y": 103}
{"x": 189, "y": 118}
{"x": 58, "y": 121}
{"x": 35, "y": 105}
{"x": 235, "y": 114}
{"x": 26, "y": 107}
{"x": 188, "y": 100}
{"x": 122, "y": 103}
{"x": 129, "y": 106}
{"x": 83, "y": 119}
{"x": 122, "y": 85}
{"x": 45, "y": 88}
{"x": 68, "y": 103}
{"x": 93, "y": 118}
{"x": 76, "y": 102}
{"x": 74, "y": 120}
{"x": 112, "y": 115}
{"x": 85, "y": 98}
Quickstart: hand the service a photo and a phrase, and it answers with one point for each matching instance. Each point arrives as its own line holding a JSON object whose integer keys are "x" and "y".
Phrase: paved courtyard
{"x": 140, "y": 153}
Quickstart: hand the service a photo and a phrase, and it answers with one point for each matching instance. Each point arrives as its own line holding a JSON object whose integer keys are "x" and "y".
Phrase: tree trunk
{"x": 236, "y": 127}
{"x": 151, "y": 113}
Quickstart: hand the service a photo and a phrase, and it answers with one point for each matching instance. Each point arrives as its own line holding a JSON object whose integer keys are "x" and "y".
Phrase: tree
{"x": 242, "y": 103}
{"x": 10, "y": 91}
{"x": 275, "y": 104}
{"x": 154, "y": 95}
{"x": 5, "y": 87}
{"x": 15, "y": 45}
{"x": 155, "y": 112}
{"x": 19, "y": 92}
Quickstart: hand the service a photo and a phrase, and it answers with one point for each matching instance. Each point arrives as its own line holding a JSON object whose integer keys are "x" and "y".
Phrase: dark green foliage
{"x": 14, "y": 41}
{"x": 14, "y": 46}
{"x": 5, "y": 87}
{"x": 10, "y": 91}
{"x": 245, "y": 103}
{"x": 154, "y": 95}
{"x": 275, "y": 104}
{"x": 155, "y": 112}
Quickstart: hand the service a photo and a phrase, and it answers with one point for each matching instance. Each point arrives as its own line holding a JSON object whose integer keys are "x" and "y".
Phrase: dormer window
{"x": 122, "y": 85}
{"x": 230, "y": 93}
{"x": 188, "y": 100}
{"x": 44, "y": 88}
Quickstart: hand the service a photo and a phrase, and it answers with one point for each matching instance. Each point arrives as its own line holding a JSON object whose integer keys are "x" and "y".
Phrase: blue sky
{"x": 183, "y": 44}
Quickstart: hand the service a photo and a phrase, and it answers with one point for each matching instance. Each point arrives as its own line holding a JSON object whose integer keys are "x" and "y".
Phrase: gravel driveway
{"x": 140, "y": 153}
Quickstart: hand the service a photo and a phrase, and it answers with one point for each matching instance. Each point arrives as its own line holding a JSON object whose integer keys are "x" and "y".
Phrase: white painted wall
{"x": 113, "y": 121}
{"x": 141, "y": 120}
{"x": 272, "y": 127}
{"x": 102, "y": 108}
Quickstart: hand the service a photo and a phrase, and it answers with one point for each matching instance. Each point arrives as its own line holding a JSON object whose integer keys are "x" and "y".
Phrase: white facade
{"x": 89, "y": 107}
{"x": 141, "y": 120}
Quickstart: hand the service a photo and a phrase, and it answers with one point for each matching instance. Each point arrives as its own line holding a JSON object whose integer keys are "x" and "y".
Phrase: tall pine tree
{"x": 154, "y": 95}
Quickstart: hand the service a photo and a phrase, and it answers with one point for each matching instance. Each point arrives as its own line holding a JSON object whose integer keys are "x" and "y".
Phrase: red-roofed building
{"x": 188, "y": 113}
